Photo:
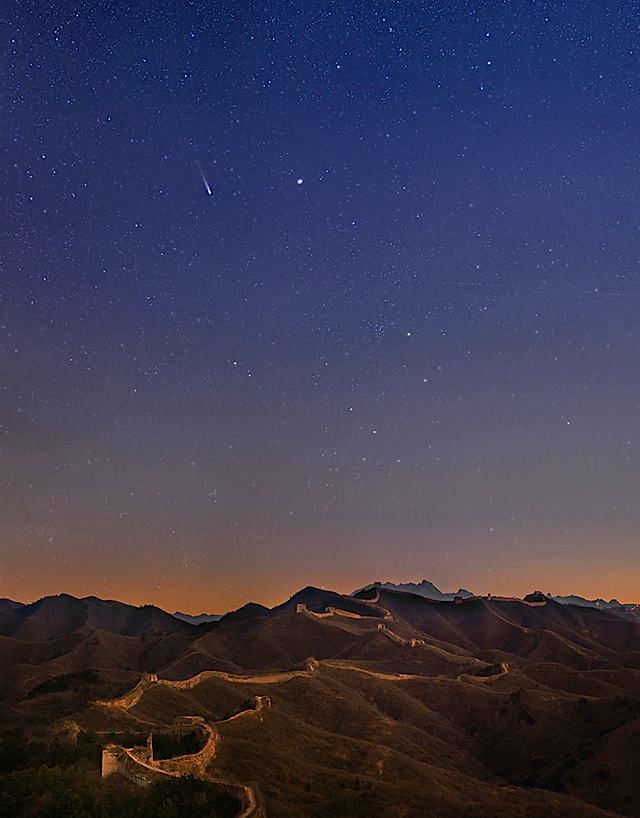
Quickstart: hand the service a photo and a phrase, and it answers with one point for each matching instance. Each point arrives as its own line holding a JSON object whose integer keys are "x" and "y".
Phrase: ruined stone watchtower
{"x": 110, "y": 760}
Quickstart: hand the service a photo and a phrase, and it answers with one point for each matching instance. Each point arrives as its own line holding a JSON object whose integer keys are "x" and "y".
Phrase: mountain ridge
{"x": 197, "y": 619}
{"x": 430, "y": 591}
{"x": 53, "y": 616}
{"x": 385, "y": 702}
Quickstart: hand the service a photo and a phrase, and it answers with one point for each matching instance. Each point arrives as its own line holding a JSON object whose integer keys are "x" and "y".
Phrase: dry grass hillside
{"x": 330, "y": 705}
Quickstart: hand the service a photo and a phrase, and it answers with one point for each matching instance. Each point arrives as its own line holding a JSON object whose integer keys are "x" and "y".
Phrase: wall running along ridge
{"x": 138, "y": 765}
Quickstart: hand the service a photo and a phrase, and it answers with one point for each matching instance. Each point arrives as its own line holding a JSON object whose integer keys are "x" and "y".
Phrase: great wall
{"x": 139, "y": 765}
{"x": 149, "y": 680}
{"x": 413, "y": 642}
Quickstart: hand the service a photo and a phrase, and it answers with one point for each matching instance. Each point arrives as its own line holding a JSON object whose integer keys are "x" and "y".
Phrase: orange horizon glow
{"x": 506, "y": 562}
{"x": 275, "y": 588}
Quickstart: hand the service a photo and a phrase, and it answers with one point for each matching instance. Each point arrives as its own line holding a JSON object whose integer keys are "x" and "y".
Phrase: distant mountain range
{"x": 429, "y": 591}
{"x": 425, "y": 588}
{"x": 199, "y": 619}
{"x": 55, "y": 616}
{"x": 628, "y": 610}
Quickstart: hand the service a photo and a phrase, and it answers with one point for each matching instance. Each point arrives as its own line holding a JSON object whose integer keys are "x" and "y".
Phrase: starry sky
{"x": 318, "y": 293}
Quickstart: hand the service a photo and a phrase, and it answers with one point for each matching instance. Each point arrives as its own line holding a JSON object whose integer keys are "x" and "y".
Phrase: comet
{"x": 205, "y": 181}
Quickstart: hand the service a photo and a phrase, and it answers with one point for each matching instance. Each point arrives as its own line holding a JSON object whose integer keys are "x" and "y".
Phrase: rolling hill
{"x": 336, "y": 705}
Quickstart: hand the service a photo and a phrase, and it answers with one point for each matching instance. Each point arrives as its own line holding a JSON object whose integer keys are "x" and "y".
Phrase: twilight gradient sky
{"x": 319, "y": 293}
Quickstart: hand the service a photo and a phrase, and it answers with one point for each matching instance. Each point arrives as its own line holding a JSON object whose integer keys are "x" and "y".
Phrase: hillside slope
{"x": 385, "y": 703}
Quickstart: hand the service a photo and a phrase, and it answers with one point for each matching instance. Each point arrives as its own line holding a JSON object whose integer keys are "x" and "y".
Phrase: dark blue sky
{"x": 318, "y": 293}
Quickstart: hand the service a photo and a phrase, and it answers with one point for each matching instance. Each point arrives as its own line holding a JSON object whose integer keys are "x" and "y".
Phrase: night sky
{"x": 319, "y": 293}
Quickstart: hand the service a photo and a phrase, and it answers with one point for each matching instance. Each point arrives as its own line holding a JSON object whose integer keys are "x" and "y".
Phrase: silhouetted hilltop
{"x": 248, "y": 611}
{"x": 9, "y": 605}
{"x": 55, "y": 616}
{"x": 318, "y": 599}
